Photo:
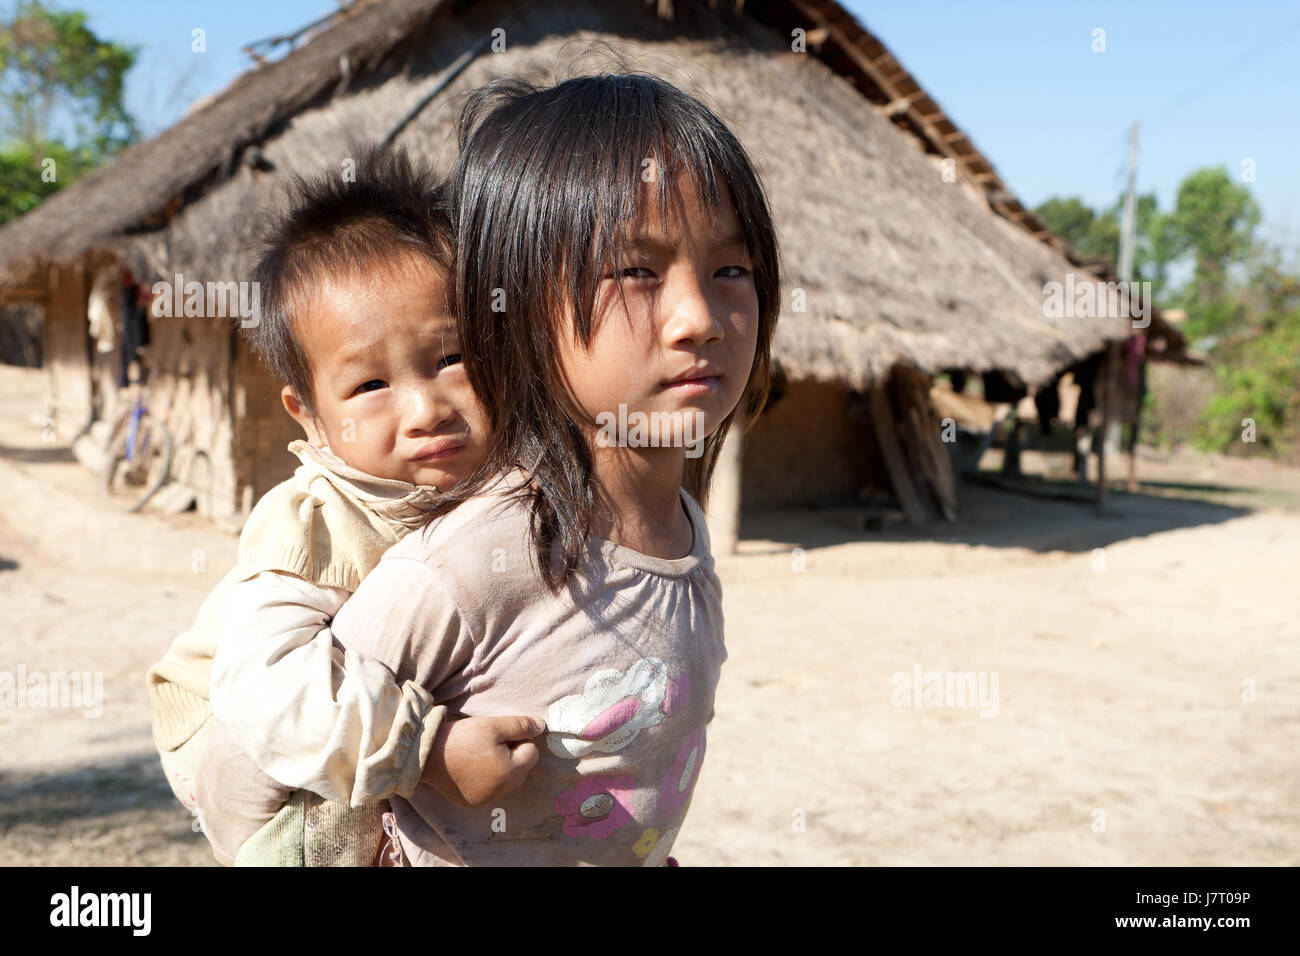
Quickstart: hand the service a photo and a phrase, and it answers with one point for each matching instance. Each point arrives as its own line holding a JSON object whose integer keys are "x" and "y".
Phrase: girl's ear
{"x": 299, "y": 413}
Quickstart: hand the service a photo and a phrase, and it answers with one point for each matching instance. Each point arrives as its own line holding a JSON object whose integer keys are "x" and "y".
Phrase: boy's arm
{"x": 309, "y": 713}
{"x": 405, "y": 616}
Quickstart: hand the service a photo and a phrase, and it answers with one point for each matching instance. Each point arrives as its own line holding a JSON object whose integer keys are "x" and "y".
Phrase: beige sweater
{"x": 327, "y": 526}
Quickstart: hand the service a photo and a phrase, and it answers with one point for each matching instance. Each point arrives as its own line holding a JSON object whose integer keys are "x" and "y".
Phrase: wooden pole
{"x": 1127, "y": 243}
{"x": 1107, "y": 402}
{"x": 724, "y": 495}
{"x": 882, "y": 419}
{"x": 930, "y": 455}
{"x": 1132, "y": 483}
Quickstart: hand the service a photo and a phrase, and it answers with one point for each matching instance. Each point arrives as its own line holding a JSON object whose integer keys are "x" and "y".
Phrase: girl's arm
{"x": 308, "y": 712}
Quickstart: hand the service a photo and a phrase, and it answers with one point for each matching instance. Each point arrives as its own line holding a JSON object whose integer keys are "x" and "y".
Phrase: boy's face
{"x": 392, "y": 398}
{"x": 685, "y": 340}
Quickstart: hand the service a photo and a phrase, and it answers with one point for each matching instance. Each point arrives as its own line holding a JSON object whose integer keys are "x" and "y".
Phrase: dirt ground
{"x": 1146, "y": 709}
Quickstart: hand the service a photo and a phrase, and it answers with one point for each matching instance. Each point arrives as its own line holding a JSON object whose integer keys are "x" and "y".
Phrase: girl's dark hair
{"x": 357, "y": 218}
{"x": 547, "y": 182}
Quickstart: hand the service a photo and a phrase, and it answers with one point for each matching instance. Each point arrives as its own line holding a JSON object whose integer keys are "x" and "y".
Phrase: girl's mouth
{"x": 693, "y": 386}
{"x": 697, "y": 380}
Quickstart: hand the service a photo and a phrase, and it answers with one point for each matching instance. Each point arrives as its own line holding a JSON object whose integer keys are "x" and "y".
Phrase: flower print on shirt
{"x": 609, "y": 713}
{"x": 597, "y": 806}
{"x": 675, "y": 696}
{"x": 649, "y": 838}
{"x": 659, "y": 853}
{"x": 681, "y": 776}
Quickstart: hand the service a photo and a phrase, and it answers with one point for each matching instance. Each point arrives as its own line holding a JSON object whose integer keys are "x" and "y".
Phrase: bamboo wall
{"x": 191, "y": 358}
{"x": 229, "y": 430}
{"x": 65, "y": 343}
{"x": 821, "y": 444}
{"x": 262, "y": 429}
{"x": 812, "y": 445}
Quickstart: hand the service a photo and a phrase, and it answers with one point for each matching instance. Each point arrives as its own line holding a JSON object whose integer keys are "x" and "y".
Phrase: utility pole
{"x": 1127, "y": 241}
{"x": 1128, "y": 224}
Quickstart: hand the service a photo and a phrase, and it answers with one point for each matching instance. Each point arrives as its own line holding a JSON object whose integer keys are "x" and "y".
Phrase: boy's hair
{"x": 334, "y": 225}
{"x": 547, "y": 182}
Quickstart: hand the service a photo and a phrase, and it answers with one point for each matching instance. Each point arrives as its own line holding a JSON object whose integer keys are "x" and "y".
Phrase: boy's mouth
{"x": 440, "y": 448}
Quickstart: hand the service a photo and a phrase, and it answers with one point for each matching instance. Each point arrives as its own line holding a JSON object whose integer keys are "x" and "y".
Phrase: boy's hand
{"x": 477, "y": 759}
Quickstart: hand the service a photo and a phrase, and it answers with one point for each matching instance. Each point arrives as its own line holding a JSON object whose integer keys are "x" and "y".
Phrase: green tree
{"x": 1075, "y": 221}
{"x": 22, "y": 185}
{"x": 1095, "y": 234}
{"x": 1213, "y": 224}
{"x": 1242, "y": 297}
{"x": 61, "y": 100}
{"x": 1257, "y": 366}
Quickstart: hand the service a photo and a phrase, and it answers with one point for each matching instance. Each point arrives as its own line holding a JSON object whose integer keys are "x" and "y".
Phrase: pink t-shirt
{"x": 622, "y": 664}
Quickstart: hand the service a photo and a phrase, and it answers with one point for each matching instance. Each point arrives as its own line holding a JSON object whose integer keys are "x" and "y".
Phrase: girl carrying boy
{"x": 615, "y": 254}
{"x": 615, "y": 257}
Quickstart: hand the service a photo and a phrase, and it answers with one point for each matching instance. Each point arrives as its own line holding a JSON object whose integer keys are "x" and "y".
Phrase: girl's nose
{"x": 692, "y": 320}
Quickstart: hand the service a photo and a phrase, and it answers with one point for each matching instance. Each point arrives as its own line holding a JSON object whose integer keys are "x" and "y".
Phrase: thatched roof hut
{"x": 907, "y": 250}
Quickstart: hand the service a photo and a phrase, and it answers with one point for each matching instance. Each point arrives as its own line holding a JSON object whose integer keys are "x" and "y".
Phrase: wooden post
{"x": 926, "y": 450}
{"x": 1107, "y": 403}
{"x": 724, "y": 495}
{"x": 65, "y": 342}
{"x": 882, "y": 419}
{"x": 1114, "y": 351}
{"x": 1011, "y": 457}
{"x": 1132, "y": 483}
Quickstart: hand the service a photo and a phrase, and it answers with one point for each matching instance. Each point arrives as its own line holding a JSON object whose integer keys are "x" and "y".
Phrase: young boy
{"x": 355, "y": 322}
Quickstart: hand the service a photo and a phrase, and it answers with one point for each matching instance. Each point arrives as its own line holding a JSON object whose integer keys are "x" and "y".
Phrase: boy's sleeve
{"x": 405, "y": 618}
{"x": 308, "y": 712}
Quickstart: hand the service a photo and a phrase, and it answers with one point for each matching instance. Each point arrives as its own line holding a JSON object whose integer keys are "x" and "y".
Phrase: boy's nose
{"x": 426, "y": 411}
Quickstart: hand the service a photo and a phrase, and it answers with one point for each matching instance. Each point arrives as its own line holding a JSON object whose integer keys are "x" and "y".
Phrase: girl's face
{"x": 682, "y": 337}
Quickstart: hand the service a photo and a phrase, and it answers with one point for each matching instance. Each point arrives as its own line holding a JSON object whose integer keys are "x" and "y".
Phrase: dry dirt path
{"x": 1119, "y": 733}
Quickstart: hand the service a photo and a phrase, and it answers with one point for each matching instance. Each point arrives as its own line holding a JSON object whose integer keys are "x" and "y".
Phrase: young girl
{"x": 616, "y": 257}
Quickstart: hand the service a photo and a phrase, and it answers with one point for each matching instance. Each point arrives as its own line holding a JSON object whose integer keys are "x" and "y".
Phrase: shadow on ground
{"x": 38, "y": 455}
{"x": 120, "y": 813}
{"x": 84, "y": 792}
{"x": 995, "y": 518}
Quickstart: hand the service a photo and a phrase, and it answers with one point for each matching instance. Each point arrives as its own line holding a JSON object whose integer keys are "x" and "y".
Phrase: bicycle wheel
{"x": 130, "y": 480}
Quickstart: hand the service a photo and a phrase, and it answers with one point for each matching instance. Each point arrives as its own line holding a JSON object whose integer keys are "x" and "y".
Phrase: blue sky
{"x": 1210, "y": 83}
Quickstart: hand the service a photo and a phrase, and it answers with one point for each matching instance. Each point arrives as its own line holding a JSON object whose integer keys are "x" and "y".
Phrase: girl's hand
{"x": 477, "y": 759}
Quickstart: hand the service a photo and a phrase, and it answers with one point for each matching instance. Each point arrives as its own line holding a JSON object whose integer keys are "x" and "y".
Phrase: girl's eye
{"x": 370, "y": 386}
{"x": 734, "y": 272}
{"x": 635, "y": 272}
{"x": 452, "y": 359}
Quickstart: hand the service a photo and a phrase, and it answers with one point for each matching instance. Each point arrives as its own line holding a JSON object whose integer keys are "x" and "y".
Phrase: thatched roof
{"x": 895, "y": 264}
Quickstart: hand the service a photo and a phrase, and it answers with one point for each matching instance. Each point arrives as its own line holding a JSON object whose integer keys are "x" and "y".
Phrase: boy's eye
{"x": 370, "y": 386}
{"x": 452, "y": 359}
